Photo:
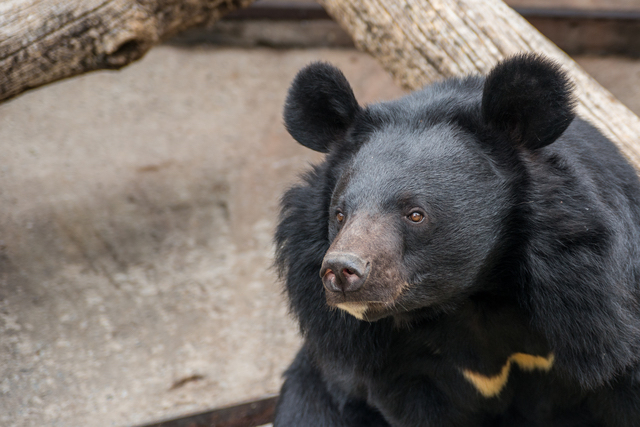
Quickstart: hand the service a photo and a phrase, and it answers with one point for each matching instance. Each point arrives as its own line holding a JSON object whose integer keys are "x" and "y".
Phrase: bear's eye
{"x": 416, "y": 217}
{"x": 340, "y": 217}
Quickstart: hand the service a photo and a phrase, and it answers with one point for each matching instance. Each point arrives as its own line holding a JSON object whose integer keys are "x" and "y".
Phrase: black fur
{"x": 530, "y": 99}
{"x": 529, "y": 245}
{"x": 320, "y": 107}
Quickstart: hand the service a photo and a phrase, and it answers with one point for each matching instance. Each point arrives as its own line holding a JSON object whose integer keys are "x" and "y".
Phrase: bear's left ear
{"x": 529, "y": 99}
{"x": 320, "y": 106}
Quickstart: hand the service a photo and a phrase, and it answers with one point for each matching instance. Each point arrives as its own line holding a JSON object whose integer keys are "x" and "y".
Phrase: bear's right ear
{"x": 320, "y": 106}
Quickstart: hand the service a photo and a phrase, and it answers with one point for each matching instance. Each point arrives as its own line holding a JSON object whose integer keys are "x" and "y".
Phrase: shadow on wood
{"x": 250, "y": 414}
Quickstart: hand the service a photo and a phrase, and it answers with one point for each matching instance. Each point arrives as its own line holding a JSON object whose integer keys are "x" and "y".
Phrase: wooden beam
{"x": 576, "y": 30}
{"x": 249, "y": 414}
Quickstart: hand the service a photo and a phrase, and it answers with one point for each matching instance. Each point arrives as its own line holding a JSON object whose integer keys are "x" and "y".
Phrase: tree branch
{"x": 42, "y": 41}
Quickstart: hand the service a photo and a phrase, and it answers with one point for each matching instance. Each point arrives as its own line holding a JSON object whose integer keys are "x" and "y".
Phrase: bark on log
{"x": 42, "y": 41}
{"x": 420, "y": 41}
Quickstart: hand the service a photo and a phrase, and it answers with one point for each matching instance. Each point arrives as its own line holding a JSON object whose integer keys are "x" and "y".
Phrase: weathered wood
{"x": 249, "y": 414}
{"x": 42, "y": 41}
{"x": 574, "y": 26}
{"x": 420, "y": 41}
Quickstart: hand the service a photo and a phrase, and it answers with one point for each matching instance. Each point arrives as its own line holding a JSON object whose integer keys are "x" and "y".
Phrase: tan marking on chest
{"x": 492, "y": 386}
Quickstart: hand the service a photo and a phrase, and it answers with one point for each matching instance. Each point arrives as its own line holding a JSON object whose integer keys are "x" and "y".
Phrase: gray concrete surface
{"x": 137, "y": 209}
{"x": 135, "y": 236}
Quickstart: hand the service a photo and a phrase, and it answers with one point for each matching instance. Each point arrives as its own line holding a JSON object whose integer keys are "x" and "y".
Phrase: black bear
{"x": 467, "y": 255}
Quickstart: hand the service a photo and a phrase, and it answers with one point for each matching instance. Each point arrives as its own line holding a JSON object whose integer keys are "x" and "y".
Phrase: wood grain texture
{"x": 420, "y": 41}
{"x": 42, "y": 41}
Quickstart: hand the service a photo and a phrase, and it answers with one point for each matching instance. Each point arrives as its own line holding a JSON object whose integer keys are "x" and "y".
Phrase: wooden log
{"x": 420, "y": 41}
{"x": 42, "y": 41}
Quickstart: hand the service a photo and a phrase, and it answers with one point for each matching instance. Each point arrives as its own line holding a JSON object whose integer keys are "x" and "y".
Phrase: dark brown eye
{"x": 340, "y": 217}
{"x": 416, "y": 217}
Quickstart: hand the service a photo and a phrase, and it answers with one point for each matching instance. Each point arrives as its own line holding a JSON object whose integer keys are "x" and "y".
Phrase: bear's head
{"x": 422, "y": 186}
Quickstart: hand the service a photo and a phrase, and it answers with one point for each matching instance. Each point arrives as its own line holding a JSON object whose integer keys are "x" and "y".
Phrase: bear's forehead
{"x": 407, "y": 140}
{"x": 405, "y": 160}
{"x": 404, "y": 151}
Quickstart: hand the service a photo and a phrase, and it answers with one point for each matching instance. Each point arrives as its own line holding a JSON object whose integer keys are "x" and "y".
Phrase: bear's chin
{"x": 373, "y": 316}
{"x": 367, "y": 311}
{"x": 402, "y": 315}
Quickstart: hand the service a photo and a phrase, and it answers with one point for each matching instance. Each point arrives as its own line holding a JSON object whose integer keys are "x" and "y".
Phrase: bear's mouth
{"x": 372, "y": 302}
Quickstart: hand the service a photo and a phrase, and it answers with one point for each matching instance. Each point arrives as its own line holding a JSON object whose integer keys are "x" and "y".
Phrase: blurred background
{"x": 138, "y": 207}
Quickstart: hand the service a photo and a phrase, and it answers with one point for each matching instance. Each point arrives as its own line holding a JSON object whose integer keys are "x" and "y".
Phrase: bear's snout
{"x": 344, "y": 272}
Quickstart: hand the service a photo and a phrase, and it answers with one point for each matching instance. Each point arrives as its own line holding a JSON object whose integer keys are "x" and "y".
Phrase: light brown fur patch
{"x": 356, "y": 309}
{"x": 492, "y": 386}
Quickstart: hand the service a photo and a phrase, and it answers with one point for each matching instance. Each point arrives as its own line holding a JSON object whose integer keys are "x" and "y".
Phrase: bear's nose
{"x": 344, "y": 272}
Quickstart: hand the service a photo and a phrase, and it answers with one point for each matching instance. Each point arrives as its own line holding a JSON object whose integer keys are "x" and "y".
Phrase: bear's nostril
{"x": 330, "y": 281}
